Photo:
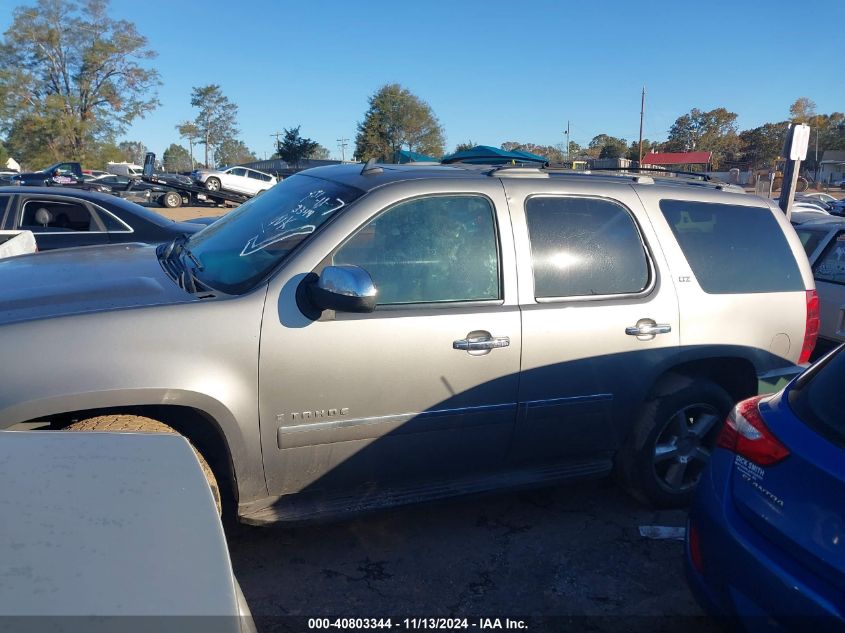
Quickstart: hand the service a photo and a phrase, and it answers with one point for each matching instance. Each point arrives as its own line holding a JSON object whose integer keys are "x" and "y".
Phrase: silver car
{"x": 358, "y": 338}
{"x": 237, "y": 179}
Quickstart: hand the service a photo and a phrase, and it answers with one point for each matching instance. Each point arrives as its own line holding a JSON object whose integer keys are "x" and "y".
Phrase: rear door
{"x": 598, "y": 315}
{"x": 59, "y": 222}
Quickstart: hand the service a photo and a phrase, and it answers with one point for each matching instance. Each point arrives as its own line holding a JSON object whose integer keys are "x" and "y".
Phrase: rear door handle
{"x": 481, "y": 342}
{"x": 647, "y": 329}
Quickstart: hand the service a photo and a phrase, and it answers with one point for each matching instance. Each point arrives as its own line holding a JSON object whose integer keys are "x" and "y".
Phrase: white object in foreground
{"x": 16, "y": 243}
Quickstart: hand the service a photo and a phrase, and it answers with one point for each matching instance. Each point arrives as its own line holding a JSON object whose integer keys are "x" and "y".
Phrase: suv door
{"x": 597, "y": 317}
{"x": 829, "y": 273}
{"x": 387, "y": 399}
{"x": 59, "y": 222}
{"x": 235, "y": 179}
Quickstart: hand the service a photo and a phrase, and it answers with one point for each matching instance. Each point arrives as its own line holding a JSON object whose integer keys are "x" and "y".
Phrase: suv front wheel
{"x": 672, "y": 439}
{"x": 140, "y": 424}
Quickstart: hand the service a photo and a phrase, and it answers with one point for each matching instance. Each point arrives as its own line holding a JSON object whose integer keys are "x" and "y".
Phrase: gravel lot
{"x": 573, "y": 552}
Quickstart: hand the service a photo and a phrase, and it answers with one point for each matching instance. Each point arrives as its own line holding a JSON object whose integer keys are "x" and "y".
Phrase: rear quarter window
{"x": 733, "y": 249}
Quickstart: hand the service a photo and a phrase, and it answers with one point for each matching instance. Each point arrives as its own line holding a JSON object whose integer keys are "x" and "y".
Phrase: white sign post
{"x": 794, "y": 150}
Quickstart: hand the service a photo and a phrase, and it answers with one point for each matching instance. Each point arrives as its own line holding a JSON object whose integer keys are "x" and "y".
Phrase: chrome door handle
{"x": 481, "y": 342}
{"x": 647, "y": 327}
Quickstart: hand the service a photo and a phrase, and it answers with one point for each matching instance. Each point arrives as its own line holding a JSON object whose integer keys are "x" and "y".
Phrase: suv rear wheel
{"x": 672, "y": 440}
{"x": 140, "y": 424}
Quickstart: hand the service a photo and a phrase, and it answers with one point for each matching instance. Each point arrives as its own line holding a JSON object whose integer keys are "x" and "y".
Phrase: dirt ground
{"x": 562, "y": 559}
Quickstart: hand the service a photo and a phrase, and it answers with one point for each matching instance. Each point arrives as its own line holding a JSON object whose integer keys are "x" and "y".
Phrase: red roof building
{"x": 677, "y": 158}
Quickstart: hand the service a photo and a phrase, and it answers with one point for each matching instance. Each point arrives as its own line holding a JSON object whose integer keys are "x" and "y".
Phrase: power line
{"x": 341, "y": 145}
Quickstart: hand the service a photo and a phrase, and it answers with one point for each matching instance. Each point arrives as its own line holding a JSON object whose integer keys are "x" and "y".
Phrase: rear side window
{"x": 810, "y": 239}
{"x": 831, "y": 265}
{"x": 46, "y": 216}
{"x": 584, "y": 247}
{"x": 733, "y": 249}
{"x": 819, "y": 399}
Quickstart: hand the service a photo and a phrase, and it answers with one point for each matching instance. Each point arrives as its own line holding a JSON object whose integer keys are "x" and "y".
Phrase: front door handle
{"x": 481, "y": 342}
{"x": 647, "y": 329}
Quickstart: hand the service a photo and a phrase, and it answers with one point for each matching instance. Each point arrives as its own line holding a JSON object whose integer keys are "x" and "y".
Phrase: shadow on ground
{"x": 573, "y": 552}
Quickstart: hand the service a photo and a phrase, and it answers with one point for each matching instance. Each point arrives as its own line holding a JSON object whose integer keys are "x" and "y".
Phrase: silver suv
{"x": 361, "y": 338}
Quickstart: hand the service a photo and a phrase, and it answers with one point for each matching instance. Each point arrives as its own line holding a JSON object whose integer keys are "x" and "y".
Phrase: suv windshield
{"x": 239, "y": 249}
{"x": 819, "y": 400}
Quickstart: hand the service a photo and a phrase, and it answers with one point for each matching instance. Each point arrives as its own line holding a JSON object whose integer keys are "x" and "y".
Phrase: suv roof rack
{"x": 651, "y": 170}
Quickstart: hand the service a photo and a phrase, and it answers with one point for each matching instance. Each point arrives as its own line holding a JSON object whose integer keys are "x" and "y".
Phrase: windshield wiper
{"x": 170, "y": 255}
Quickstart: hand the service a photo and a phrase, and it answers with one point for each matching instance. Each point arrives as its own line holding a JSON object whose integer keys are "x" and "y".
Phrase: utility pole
{"x": 567, "y": 140}
{"x": 277, "y": 135}
{"x": 642, "y": 112}
{"x": 341, "y": 145}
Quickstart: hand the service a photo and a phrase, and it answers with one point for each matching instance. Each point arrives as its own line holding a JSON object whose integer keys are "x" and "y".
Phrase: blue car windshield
{"x": 237, "y": 251}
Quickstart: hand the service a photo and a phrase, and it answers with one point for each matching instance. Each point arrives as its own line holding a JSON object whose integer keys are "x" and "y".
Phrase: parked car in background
{"x": 62, "y": 218}
{"x": 765, "y": 533}
{"x": 554, "y": 325}
{"x": 237, "y": 179}
{"x": 823, "y": 238}
{"x": 99, "y": 524}
{"x": 820, "y": 196}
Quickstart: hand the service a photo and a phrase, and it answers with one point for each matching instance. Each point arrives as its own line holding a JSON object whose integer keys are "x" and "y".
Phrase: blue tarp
{"x": 406, "y": 156}
{"x": 486, "y": 155}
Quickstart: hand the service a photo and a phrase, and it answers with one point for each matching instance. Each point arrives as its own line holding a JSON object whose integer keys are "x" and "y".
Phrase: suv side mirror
{"x": 344, "y": 289}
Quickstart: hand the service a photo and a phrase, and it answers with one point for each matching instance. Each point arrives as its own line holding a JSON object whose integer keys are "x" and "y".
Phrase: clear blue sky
{"x": 492, "y": 71}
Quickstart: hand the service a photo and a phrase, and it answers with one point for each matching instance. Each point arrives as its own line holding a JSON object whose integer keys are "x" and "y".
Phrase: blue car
{"x": 766, "y": 534}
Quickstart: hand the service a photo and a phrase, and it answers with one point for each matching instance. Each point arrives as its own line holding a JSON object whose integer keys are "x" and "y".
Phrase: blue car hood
{"x": 87, "y": 279}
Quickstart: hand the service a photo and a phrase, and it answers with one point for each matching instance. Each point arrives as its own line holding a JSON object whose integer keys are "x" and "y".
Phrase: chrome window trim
{"x": 100, "y": 209}
{"x": 652, "y": 269}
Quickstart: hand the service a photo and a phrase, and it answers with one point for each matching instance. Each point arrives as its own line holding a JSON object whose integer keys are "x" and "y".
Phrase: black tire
{"x": 171, "y": 200}
{"x": 212, "y": 184}
{"x": 671, "y": 441}
{"x": 140, "y": 424}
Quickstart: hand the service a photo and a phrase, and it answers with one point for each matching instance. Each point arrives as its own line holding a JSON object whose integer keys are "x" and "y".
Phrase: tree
{"x": 71, "y": 78}
{"x": 634, "y": 149}
{"x": 606, "y": 146}
{"x": 462, "y": 147}
{"x": 319, "y": 153}
{"x": 4, "y": 156}
{"x": 293, "y": 147}
{"x": 133, "y": 151}
{"x": 714, "y": 131}
{"x": 176, "y": 158}
{"x": 761, "y": 146}
{"x": 215, "y": 122}
{"x": 551, "y": 153}
{"x": 232, "y": 152}
{"x": 397, "y": 119}
{"x": 191, "y": 133}
{"x": 802, "y": 110}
